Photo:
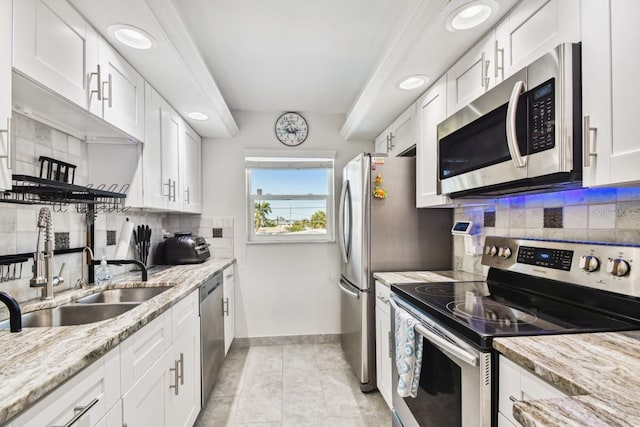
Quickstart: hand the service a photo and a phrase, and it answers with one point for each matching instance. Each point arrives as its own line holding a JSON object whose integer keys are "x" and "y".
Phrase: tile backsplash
{"x": 18, "y": 231}
{"x": 607, "y": 215}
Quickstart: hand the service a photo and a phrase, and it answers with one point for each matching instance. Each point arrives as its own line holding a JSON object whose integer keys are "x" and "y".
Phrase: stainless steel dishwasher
{"x": 211, "y": 333}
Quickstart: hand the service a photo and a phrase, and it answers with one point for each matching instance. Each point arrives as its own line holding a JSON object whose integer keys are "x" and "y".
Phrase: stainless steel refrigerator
{"x": 377, "y": 234}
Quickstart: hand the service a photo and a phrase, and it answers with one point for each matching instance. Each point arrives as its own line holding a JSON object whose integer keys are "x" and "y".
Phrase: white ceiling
{"x": 323, "y": 56}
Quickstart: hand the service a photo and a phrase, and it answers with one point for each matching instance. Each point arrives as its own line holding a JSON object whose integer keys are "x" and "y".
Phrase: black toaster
{"x": 182, "y": 248}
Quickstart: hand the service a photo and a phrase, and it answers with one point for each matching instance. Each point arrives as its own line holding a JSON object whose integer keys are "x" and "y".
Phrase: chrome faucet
{"x": 81, "y": 283}
{"x": 48, "y": 280}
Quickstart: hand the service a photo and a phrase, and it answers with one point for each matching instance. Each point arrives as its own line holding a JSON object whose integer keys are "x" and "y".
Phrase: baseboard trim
{"x": 287, "y": 339}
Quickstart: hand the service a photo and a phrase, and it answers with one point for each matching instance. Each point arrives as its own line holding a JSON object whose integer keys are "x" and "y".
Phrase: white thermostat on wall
{"x": 463, "y": 228}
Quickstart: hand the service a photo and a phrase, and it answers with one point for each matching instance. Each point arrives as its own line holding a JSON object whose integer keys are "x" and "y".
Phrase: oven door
{"x": 455, "y": 381}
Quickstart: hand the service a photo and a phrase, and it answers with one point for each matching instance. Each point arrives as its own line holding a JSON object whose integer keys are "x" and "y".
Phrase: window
{"x": 290, "y": 199}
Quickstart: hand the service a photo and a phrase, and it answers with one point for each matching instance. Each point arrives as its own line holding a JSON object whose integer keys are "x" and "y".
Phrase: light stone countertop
{"x": 392, "y": 278}
{"x": 35, "y": 361}
{"x": 601, "y": 372}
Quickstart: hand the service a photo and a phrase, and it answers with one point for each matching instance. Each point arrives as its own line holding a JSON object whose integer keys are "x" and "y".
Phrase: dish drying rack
{"x": 33, "y": 190}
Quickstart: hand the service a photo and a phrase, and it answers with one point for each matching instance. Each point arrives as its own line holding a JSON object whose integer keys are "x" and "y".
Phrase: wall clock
{"x": 291, "y": 129}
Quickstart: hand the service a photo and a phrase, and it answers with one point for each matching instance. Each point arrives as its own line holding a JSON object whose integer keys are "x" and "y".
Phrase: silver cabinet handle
{"x": 484, "y": 71}
{"x": 513, "y": 399}
{"x": 391, "y": 144}
{"x": 109, "y": 82}
{"x": 225, "y": 307}
{"x": 80, "y": 411}
{"x": 173, "y": 191}
{"x": 98, "y": 90}
{"x": 168, "y": 184}
{"x": 391, "y": 349}
{"x": 512, "y": 136}
{"x": 176, "y": 377}
{"x": 9, "y": 132}
{"x": 442, "y": 343}
{"x": 181, "y": 361}
{"x": 188, "y": 193}
{"x": 498, "y": 68}
{"x": 586, "y": 139}
{"x": 383, "y": 299}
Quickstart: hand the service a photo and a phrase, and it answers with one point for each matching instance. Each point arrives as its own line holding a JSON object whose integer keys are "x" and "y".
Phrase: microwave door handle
{"x": 512, "y": 137}
{"x": 341, "y": 233}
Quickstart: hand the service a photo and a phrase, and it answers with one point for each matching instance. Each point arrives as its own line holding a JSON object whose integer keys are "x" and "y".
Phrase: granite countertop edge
{"x": 394, "y": 277}
{"x": 600, "y": 377}
{"x": 37, "y": 360}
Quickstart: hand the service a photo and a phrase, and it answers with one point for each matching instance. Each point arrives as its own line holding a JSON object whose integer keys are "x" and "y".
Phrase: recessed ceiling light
{"x": 413, "y": 82}
{"x": 197, "y": 115}
{"x": 131, "y": 36}
{"x": 470, "y": 15}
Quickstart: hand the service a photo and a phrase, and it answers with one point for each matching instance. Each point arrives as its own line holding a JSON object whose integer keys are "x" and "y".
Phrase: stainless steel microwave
{"x": 522, "y": 135}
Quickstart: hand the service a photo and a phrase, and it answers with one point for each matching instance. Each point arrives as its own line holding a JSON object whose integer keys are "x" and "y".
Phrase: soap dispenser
{"x": 103, "y": 272}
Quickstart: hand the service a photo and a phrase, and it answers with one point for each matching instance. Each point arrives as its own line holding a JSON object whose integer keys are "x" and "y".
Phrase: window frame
{"x": 286, "y": 161}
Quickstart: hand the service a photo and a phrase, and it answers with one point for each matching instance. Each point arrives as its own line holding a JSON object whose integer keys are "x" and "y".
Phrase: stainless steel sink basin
{"x": 123, "y": 295}
{"x": 72, "y": 314}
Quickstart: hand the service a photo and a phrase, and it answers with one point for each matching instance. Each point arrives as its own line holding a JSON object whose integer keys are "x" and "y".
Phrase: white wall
{"x": 281, "y": 289}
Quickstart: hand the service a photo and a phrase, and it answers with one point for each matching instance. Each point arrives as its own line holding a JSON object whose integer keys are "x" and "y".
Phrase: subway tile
{"x": 74, "y": 146}
{"x": 576, "y": 217}
{"x": 25, "y": 150}
{"x": 553, "y": 217}
{"x": 601, "y": 195}
{"x": 8, "y": 220}
{"x": 625, "y": 194}
{"x": 602, "y": 216}
{"x": 553, "y": 233}
{"x": 59, "y": 143}
{"x": 516, "y": 218}
{"x": 26, "y": 219}
{"x": 26, "y": 241}
{"x": 601, "y": 236}
{"x": 8, "y": 243}
{"x": 553, "y": 200}
{"x": 628, "y": 215}
{"x": 534, "y": 218}
{"x": 43, "y": 134}
{"x": 631, "y": 237}
{"x": 516, "y": 232}
{"x": 576, "y": 235}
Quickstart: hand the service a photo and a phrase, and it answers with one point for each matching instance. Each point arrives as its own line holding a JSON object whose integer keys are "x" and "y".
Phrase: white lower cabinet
{"x": 383, "y": 340}
{"x": 86, "y": 397}
{"x": 516, "y": 383}
{"x": 113, "y": 417}
{"x": 167, "y": 393}
{"x": 228, "y": 309}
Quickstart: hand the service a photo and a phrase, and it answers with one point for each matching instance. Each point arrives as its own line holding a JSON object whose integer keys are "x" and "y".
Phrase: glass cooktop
{"x": 482, "y": 310}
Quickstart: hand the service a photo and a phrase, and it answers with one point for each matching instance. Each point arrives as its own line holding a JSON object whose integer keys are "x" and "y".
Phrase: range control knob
{"x": 493, "y": 251}
{"x": 506, "y": 252}
{"x": 589, "y": 263}
{"x": 618, "y": 267}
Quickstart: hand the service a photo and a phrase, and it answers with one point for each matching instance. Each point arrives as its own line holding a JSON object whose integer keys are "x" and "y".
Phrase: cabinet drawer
{"x": 183, "y": 314}
{"x": 383, "y": 292}
{"x": 91, "y": 392}
{"x": 140, "y": 351}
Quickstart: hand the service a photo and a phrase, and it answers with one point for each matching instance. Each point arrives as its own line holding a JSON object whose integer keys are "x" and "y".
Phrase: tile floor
{"x": 291, "y": 385}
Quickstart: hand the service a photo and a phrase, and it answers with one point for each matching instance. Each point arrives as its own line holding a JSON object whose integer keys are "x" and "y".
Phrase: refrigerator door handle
{"x": 346, "y": 290}
{"x": 344, "y": 246}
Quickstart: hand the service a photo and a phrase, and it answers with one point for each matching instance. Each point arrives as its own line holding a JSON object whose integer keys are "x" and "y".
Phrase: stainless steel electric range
{"x": 533, "y": 287}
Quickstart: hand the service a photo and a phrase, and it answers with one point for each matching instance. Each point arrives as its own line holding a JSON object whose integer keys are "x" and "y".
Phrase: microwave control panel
{"x": 541, "y": 117}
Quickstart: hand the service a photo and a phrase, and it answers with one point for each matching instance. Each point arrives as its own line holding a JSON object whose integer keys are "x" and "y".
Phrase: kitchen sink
{"x": 71, "y": 314}
{"x": 123, "y": 295}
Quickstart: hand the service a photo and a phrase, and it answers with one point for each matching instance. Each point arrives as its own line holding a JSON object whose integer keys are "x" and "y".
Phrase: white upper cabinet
{"x": 470, "y": 77}
{"x": 432, "y": 109}
{"x": 55, "y": 46}
{"x": 610, "y": 89}
{"x": 400, "y": 135}
{"x": 121, "y": 92}
{"x": 5, "y": 95}
{"x": 532, "y": 29}
{"x": 172, "y": 131}
{"x": 191, "y": 155}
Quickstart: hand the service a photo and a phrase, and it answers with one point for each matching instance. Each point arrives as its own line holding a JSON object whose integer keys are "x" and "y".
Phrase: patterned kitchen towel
{"x": 408, "y": 352}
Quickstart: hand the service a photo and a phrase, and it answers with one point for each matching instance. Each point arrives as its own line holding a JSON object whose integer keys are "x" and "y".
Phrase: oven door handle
{"x": 446, "y": 345}
{"x": 512, "y": 137}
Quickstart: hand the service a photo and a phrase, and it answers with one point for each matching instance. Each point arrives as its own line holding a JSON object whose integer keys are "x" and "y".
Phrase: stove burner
{"x": 492, "y": 312}
{"x": 435, "y": 290}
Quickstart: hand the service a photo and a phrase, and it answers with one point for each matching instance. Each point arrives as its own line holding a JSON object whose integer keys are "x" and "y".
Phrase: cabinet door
{"x": 228, "y": 295}
{"x": 382, "y": 142}
{"x": 172, "y": 132}
{"x": 55, "y": 46}
{"x": 383, "y": 360}
{"x": 470, "y": 77}
{"x": 122, "y": 92}
{"x": 610, "y": 88}
{"x": 532, "y": 29}
{"x": 113, "y": 417}
{"x": 403, "y": 132}
{"x": 432, "y": 109}
{"x": 183, "y": 402}
{"x": 145, "y": 403}
{"x": 6, "y": 12}
{"x": 153, "y": 190}
{"x": 192, "y": 170}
